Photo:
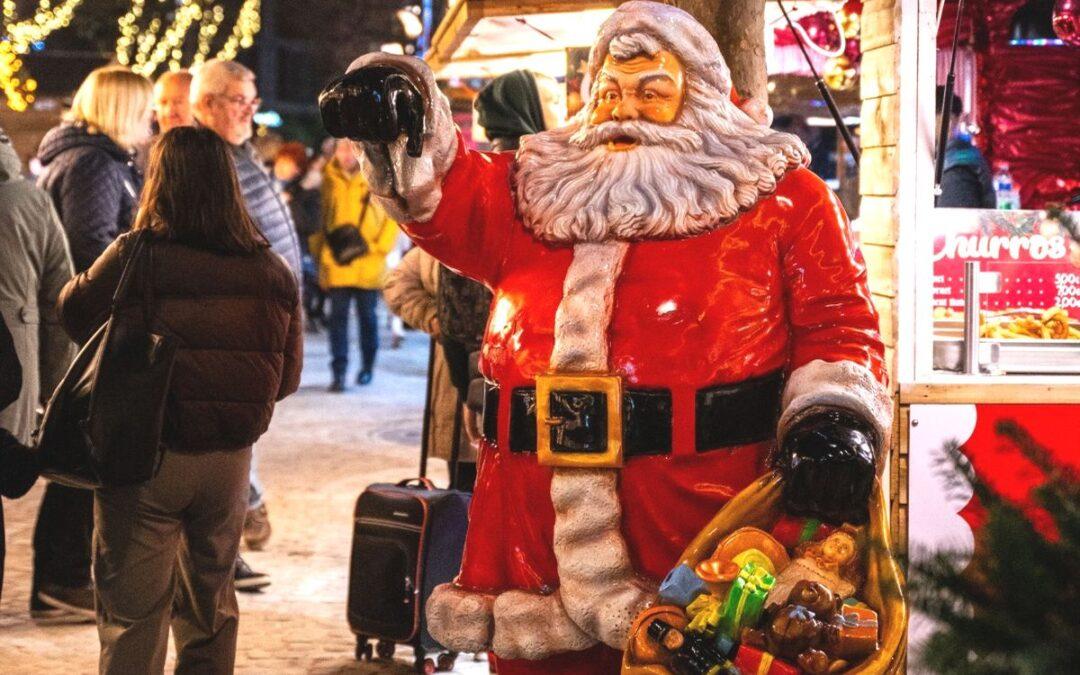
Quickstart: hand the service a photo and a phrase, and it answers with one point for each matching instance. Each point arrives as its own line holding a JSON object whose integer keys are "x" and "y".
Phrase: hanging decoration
{"x": 208, "y": 29}
{"x": 1066, "y": 21}
{"x": 244, "y": 30}
{"x": 830, "y": 33}
{"x": 163, "y": 38}
{"x": 18, "y": 38}
{"x": 169, "y": 44}
{"x": 840, "y": 71}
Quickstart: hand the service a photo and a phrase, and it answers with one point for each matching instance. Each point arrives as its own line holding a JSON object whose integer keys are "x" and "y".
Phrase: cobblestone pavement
{"x": 320, "y": 452}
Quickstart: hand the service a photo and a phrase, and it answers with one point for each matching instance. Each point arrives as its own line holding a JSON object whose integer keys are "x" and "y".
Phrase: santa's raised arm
{"x": 678, "y": 302}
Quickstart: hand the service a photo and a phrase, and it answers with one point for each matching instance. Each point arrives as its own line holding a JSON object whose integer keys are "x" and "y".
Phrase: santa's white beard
{"x": 679, "y": 180}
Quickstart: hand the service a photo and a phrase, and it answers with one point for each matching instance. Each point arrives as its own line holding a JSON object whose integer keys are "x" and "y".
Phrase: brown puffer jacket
{"x": 238, "y": 322}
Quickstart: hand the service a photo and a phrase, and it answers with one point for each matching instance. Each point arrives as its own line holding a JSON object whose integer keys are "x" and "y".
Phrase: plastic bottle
{"x": 1008, "y": 197}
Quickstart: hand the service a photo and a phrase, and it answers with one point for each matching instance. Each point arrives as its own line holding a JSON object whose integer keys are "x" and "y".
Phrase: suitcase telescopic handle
{"x": 422, "y": 482}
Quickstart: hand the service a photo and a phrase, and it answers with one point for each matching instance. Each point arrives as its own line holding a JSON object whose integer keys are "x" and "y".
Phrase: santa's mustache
{"x": 673, "y": 136}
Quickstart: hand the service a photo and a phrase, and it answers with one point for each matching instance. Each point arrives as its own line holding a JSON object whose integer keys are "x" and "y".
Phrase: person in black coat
{"x": 91, "y": 176}
{"x": 18, "y": 467}
{"x": 966, "y": 181}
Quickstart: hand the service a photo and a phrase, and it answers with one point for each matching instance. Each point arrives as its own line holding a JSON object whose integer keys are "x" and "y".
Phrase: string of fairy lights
{"x": 19, "y": 37}
{"x": 143, "y": 45}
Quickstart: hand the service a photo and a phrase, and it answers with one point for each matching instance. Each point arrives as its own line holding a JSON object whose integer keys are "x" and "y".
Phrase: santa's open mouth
{"x": 622, "y": 142}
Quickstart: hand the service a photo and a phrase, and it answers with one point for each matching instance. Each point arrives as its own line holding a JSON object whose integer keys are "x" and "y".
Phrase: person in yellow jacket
{"x": 346, "y": 203}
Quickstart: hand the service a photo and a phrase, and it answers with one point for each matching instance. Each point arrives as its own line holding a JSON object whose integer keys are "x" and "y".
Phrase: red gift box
{"x": 791, "y": 531}
{"x": 858, "y": 632}
{"x": 752, "y": 661}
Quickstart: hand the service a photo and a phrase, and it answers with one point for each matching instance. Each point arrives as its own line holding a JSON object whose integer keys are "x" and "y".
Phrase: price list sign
{"x": 1037, "y": 262}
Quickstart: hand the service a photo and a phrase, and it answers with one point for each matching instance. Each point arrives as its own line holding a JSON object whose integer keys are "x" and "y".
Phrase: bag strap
{"x": 360, "y": 220}
{"x": 129, "y": 266}
{"x": 148, "y": 285}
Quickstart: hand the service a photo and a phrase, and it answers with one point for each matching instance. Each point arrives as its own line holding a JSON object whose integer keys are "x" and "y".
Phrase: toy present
{"x": 791, "y": 531}
{"x": 760, "y": 506}
{"x": 681, "y": 586}
{"x": 858, "y": 631}
{"x": 745, "y": 599}
{"x": 751, "y": 661}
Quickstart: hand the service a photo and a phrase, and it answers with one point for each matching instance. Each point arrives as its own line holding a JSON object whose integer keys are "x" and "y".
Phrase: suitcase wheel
{"x": 363, "y": 649}
{"x": 445, "y": 662}
{"x": 426, "y": 666}
{"x": 385, "y": 649}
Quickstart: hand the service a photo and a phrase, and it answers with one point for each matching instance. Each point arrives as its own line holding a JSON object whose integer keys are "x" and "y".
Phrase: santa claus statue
{"x": 679, "y": 305}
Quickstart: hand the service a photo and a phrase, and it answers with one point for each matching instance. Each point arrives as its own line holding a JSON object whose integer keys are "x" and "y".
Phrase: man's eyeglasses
{"x": 241, "y": 102}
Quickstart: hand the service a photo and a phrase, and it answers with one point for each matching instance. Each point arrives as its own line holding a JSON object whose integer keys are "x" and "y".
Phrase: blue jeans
{"x": 340, "y": 301}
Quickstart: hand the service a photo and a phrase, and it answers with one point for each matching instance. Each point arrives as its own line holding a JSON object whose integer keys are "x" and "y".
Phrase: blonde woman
{"x": 92, "y": 179}
{"x": 88, "y": 159}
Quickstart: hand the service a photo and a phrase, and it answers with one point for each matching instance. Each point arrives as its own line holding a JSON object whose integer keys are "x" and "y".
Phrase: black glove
{"x": 827, "y": 461}
{"x": 374, "y": 104}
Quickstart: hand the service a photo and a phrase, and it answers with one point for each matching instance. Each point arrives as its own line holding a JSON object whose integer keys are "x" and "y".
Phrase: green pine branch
{"x": 1016, "y": 609}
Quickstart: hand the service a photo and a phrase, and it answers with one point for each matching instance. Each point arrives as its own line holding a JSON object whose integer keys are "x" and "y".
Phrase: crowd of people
{"x": 280, "y": 242}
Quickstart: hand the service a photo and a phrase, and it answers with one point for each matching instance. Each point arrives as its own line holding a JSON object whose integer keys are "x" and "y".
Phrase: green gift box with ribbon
{"x": 746, "y": 599}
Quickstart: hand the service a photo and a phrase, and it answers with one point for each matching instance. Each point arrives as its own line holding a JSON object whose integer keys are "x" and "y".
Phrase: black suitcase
{"x": 407, "y": 539}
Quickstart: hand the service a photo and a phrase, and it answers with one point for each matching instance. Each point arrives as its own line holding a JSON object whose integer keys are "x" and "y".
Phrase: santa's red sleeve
{"x": 836, "y": 356}
{"x": 472, "y": 225}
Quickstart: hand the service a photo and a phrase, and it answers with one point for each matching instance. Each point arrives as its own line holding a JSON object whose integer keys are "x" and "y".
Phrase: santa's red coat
{"x": 779, "y": 287}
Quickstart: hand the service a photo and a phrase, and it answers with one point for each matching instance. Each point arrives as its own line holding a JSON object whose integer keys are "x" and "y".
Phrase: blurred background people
{"x": 89, "y": 172}
{"x": 18, "y": 465}
{"x": 224, "y": 99}
{"x": 966, "y": 181}
{"x": 34, "y": 351}
{"x": 300, "y": 189}
{"x": 172, "y": 100}
{"x": 514, "y": 105}
{"x": 412, "y": 293}
{"x": 34, "y": 266}
{"x": 238, "y": 326}
{"x": 346, "y": 202}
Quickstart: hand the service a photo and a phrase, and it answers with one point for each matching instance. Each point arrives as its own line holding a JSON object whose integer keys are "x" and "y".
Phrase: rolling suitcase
{"x": 407, "y": 539}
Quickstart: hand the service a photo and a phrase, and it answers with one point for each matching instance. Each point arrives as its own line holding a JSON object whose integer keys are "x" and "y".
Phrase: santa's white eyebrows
{"x": 644, "y": 79}
{"x": 654, "y": 76}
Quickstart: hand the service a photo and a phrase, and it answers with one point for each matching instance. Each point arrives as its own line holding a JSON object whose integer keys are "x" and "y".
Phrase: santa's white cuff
{"x": 821, "y": 385}
{"x": 410, "y": 188}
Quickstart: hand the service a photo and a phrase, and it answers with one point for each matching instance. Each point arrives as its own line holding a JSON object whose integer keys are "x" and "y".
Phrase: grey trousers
{"x": 164, "y": 553}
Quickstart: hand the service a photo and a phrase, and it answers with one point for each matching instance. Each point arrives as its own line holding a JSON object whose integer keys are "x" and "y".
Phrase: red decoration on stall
{"x": 1066, "y": 21}
{"x": 1004, "y": 467}
{"x": 1026, "y": 101}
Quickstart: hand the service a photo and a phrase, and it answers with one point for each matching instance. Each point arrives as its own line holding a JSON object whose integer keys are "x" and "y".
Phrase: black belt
{"x": 726, "y": 415}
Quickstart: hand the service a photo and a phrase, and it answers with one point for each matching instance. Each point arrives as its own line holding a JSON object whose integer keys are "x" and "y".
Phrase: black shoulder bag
{"x": 102, "y": 426}
{"x": 345, "y": 241}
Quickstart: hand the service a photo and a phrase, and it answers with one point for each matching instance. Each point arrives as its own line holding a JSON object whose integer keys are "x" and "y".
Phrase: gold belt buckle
{"x": 611, "y": 386}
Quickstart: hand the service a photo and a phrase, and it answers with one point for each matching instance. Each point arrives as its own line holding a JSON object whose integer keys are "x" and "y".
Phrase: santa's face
{"x": 643, "y": 88}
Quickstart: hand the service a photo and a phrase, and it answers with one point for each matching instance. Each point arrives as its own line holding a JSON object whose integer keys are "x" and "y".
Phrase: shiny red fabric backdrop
{"x": 1029, "y": 101}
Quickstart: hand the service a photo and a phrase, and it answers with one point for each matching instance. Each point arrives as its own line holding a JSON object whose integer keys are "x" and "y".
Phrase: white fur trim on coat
{"x": 533, "y": 626}
{"x": 840, "y": 384}
{"x": 581, "y": 321}
{"x": 410, "y": 188}
{"x": 460, "y": 620}
{"x": 599, "y": 588}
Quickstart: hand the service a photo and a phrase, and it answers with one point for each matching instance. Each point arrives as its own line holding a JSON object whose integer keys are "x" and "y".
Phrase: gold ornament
{"x": 839, "y": 73}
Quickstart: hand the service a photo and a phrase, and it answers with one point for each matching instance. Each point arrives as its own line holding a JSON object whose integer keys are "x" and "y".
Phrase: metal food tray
{"x": 1012, "y": 356}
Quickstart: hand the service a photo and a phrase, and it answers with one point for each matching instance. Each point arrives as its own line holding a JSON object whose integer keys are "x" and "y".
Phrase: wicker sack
{"x": 759, "y": 505}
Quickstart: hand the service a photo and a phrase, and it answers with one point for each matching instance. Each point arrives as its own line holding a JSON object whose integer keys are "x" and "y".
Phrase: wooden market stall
{"x": 979, "y": 306}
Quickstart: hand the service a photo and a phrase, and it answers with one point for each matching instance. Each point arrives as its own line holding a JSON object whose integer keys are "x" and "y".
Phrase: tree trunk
{"x": 739, "y": 29}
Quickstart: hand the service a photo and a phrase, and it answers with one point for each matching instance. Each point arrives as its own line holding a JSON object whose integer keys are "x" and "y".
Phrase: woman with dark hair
{"x": 210, "y": 281}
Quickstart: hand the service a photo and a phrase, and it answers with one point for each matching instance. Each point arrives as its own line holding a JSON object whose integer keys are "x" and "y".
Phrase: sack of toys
{"x": 761, "y": 593}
